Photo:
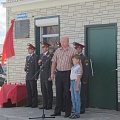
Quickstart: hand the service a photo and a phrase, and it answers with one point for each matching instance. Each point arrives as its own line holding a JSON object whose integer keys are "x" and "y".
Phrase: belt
{"x": 63, "y": 71}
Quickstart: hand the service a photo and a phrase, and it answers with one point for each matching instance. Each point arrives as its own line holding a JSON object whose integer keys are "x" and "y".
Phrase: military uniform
{"x": 84, "y": 79}
{"x": 31, "y": 68}
{"x": 46, "y": 85}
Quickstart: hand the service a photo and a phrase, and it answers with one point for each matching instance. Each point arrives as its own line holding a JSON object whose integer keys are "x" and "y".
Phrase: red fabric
{"x": 31, "y": 47}
{"x": 8, "y": 49}
{"x": 79, "y": 46}
{"x": 45, "y": 45}
{"x": 58, "y": 44}
{"x": 14, "y": 92}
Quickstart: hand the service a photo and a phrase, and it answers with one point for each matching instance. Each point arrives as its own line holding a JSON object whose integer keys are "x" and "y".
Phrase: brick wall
{"x": 72, "y": 20}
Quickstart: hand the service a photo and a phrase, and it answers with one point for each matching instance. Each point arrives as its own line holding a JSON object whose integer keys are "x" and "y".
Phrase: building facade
{"x": 96, "y": 24}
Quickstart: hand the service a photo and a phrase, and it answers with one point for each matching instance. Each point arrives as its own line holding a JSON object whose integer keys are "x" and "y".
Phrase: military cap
{"x": 77, "y": 45}
{"x": 45, "y": 44}
{"x": 58, "y": 44}
{"x": 30, "y": 46}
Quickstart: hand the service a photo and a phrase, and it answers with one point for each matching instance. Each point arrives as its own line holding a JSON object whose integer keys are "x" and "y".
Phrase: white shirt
{"x": 75, "y": 71}
{"x": 45, "y": 53}
{"x": 30, "y": 54}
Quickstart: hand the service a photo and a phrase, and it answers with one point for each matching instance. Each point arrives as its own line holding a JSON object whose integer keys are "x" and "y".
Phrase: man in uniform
{"x": 84, "y": 79}
{"x": 46, "y": 84}
{"x": 58, "y": 44}
{"x": 31, "y": 68}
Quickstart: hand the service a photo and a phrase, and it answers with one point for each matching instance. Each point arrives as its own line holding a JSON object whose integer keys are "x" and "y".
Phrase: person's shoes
{"x": 56, "y": 114}
{"x": 77, "y": 116}
{"x": 34, "y": 106}
{"x": 48, "y": 108}
{"x": 27, "y": 105}
{"x": 73, "y": 116}
{"x": 42, "y": 107}
{"x": 67, "y": 115}
{"x": 82, "y": 112}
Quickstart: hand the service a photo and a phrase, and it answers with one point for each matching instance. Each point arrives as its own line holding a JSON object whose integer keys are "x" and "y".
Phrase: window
{"x": 50, "y": 34}
{"x": 49, "y": 31}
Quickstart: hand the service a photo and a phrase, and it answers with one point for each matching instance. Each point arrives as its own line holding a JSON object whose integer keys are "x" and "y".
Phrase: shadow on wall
{"x": 3, "y": 71}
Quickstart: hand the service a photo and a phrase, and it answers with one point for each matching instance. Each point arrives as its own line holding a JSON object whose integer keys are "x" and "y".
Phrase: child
{"x": 75, "y": 76}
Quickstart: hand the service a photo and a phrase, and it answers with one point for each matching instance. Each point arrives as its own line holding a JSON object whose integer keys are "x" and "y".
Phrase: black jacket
{"x": 31, "y": 67}
{"x": 85, "y": 65}
{"x": 45, "y": 66}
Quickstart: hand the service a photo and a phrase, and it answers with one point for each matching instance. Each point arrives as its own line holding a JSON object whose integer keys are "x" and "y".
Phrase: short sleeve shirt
{"x": 63, "y": 58}
{"x": 75, "y": 71}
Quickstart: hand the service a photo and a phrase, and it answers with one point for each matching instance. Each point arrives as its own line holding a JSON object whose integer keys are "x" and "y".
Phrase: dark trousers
{"x": 63, "y": 103}
{"x": 63, "y": 86}
{"x": 83, "y": 97}
{"x": 32, "y": 94}
{"x": 47, "y": 92}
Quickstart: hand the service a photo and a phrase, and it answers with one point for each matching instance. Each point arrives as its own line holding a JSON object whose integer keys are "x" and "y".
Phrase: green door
{"x": 101, "y": 44}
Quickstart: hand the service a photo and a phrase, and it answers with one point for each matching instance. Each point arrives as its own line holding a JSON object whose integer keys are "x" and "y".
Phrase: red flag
{"x": 8, "y": 48}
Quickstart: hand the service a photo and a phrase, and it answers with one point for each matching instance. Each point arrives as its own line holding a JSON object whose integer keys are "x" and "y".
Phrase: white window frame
{"x": 50, "y": 35}
{"x": 46, "y": 22}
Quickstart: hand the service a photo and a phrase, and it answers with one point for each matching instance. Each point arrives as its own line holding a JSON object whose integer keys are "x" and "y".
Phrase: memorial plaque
{"x": 22, "y": 29}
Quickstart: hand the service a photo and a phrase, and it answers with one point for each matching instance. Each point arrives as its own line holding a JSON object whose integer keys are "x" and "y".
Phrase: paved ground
{"x": 22, "y": 113}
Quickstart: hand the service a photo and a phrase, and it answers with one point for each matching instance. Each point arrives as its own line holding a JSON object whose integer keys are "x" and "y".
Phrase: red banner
{"x": 8, "y": 48}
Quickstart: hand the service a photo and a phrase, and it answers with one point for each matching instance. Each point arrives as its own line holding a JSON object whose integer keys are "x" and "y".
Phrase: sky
{"x": 2, "y": 22}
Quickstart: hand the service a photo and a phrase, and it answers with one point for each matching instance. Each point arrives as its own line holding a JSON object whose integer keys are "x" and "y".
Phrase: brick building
{"x": 96, "y": 24}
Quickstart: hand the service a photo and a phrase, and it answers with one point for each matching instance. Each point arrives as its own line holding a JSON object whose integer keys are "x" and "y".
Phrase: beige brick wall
{"x": 72, "y": 20}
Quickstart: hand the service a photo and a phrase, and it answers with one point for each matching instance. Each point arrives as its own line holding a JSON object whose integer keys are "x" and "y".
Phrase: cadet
{"x": 58, "y": 44}
{"x": 31, "y": 68}
{"x": 84, "y": 79}
{"x": 46, "y": 83}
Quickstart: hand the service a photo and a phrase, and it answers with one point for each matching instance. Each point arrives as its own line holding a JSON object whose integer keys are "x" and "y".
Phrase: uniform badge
{"x": 86, "y": 62}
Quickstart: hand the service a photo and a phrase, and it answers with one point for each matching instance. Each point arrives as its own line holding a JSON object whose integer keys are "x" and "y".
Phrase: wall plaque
{"x": 22, "y": 29}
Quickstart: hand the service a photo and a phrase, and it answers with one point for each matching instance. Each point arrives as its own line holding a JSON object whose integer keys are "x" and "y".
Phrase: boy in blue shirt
{"x": 75, "y": 86}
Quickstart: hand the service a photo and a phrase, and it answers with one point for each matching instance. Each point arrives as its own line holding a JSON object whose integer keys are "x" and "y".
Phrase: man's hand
{"x": 52, "y": 76}
{"x": 39, "y": 61}
{"x": 77, "y": 89}
{"x": 49, "y": 79}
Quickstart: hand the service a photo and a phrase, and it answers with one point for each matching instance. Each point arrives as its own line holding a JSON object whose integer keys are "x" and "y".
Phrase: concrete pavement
{"x": 22, "y": 113}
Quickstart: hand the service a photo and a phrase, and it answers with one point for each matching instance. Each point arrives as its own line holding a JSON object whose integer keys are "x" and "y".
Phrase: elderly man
{"x": 63, "y": 101}
{"x": 62, "y": 61}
